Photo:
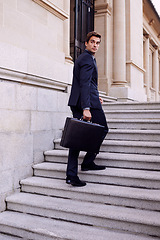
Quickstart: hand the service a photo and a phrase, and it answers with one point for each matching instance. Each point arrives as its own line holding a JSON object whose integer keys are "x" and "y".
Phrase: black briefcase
{"x": 82, "y": 135}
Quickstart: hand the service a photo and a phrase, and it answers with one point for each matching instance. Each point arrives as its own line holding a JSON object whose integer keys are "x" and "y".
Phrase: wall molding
{"x": 49, "y": 6}
{"x": 32, "y": 80}
{"x": 103, "y": 8}
{"x": 136, "y": 66}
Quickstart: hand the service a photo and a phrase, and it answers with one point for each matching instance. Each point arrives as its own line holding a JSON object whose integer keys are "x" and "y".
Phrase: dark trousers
{"x": 98, "y": 117}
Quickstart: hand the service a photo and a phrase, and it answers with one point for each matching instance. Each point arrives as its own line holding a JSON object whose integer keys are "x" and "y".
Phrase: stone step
{"x": 98, "y": 215}
{"x": 148, "y": 199}
{"x": 136, "y": 147}
{"x": 132, "y": 114}
{"x": 114, "y": 176}
{"x": 41, "y": 228}
{"x": 131, "y": 106}
{"x": 144, "y": 124}
{"x": 120, "y": 160}
{"x": 134, "y": 135}
{"x": 114, "y": 146}
{"x": 106, "y": 98}
{"x": 8, "y": 237}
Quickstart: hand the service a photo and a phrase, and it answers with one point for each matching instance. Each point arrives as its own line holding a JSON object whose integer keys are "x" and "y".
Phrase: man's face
{"x": 93, "y": 44}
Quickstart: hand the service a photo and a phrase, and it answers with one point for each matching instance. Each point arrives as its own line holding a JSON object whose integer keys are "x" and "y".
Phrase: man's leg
{"x": 72, "y": 165}
{"x": 98, "y": 117}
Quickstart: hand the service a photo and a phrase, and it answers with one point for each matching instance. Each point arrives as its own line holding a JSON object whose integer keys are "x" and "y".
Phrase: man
{"x": 84, "y": 101}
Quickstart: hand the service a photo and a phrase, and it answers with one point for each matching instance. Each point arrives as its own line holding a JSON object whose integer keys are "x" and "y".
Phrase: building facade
{"x": 37, "y": 40}
{"x": 129, "y": 58}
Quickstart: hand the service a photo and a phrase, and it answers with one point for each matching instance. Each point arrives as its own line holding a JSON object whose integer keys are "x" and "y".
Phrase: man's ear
{"x": 86, "y": 44}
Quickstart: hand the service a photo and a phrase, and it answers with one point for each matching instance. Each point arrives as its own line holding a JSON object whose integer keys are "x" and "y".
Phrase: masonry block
{"x": 12, "y": 57}
{"x": 2, "y": 202}
{"x": 41, "y": 121}
{"x": 62, "y": 102}
{"x": 13, "y": 121}
{"x": 16, "y": 150}
{"x": 1, "y": 13}
{"x": 26, "y": 97}
{"x": 47, "y": 100}
{"x": 17, "y": 21}
{"x": 7, "y": 89}
{"x": 59, "y": 120}
{"x": 32, "y": 10}
{"x": 6, "y": 183}
{"x": 20, "y": 173}
{"x": 42, "y": 140}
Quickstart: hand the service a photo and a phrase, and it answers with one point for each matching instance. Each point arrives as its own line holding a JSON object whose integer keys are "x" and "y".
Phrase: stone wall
{"x": 35, "y": 79}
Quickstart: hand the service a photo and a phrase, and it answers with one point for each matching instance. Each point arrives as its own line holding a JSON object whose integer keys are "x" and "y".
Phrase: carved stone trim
{"x": 156, "y": 47}
{"x": 136, "y": 66}
{"x": 103, "y": 8}
{"x": 33, "y": 80}
{"x": 52, "y": 8}
{"x": 151, "y": 47}
{"x": 69, "y": 59}
{"x": 151, "y": 22}
{"x": 152, "y": 89}
{"x": 146, "y": 35}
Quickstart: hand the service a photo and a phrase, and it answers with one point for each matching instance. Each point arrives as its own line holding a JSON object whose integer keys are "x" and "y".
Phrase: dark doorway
{"x": 82, "y": 22}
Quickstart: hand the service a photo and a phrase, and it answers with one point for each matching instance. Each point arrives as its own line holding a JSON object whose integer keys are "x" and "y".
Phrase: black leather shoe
{"x": 92, "y": 167}
{"x": 75, "y": 181}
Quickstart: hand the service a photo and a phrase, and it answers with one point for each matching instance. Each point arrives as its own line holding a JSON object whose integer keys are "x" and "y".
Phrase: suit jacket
{"x": 84, "y": 92}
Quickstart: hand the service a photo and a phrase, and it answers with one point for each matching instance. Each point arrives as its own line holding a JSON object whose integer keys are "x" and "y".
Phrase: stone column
{"x": 156, "y": 73}
{"x": 146, "y": 75}
{"x": 103, "y": 23}
{"x": 119, "y": 38}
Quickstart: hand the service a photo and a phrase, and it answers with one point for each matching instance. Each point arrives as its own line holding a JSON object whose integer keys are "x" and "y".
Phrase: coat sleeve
{"x": 86, "y": 71}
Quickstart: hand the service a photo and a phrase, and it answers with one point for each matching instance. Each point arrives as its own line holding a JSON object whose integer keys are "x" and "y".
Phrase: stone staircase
{"x": 119, "y": 203}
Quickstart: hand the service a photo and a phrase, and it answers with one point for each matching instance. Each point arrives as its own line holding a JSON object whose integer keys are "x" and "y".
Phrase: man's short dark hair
{"x": 91, "y": 34}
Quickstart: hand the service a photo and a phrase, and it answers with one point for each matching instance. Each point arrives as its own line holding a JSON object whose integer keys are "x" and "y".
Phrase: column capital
{"x": 151, "y": 22}
{"x": 156, "y": 47}
{"x": 103, "y": 8}
{"x": 146, "y": 35}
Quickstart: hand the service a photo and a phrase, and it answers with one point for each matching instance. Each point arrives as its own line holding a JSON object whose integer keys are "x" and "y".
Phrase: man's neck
{"x": 93, "y": 54}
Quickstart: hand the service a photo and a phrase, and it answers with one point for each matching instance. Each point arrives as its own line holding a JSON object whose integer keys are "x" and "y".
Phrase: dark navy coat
{"x": 84, "y": 92}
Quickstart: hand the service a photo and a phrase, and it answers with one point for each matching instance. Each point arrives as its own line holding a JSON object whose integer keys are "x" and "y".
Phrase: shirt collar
{"x": 90, "y": 53}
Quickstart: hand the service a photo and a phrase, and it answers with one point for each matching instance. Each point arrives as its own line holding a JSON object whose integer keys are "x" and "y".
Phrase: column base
{"x": 121, "y": 93}
{"x": 103, "y": 84}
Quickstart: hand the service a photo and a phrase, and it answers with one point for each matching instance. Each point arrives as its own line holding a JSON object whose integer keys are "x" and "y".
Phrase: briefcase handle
{"x": 90, "y": 121}
{"x": 85, "y": 120}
